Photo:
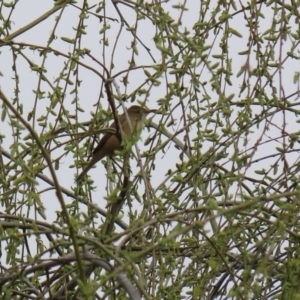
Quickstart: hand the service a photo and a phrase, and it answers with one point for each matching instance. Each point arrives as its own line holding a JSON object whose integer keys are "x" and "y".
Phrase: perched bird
{"x": 110, "y": 142}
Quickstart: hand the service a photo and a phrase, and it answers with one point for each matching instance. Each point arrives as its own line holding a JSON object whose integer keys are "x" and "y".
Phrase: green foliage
{"x": 208, "y": 207}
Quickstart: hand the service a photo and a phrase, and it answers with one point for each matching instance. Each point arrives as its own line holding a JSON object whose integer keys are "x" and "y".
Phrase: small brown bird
{"x": 110, "y": 142}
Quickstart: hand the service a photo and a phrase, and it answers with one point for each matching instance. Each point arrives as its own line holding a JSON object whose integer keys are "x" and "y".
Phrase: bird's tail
{"x": 85, "y": 170}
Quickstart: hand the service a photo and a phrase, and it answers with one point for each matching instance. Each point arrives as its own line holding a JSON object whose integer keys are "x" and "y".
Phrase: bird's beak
{"x": 148, "y": 111}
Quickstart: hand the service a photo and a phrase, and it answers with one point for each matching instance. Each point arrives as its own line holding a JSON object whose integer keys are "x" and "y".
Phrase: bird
{"x": 111, "y": 143}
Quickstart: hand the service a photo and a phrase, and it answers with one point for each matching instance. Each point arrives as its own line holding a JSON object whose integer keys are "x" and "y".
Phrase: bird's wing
{"x": 104, "y": 138}
{"x": 123, "y": 122}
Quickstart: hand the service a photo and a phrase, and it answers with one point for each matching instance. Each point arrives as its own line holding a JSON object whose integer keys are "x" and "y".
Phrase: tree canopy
{"x": 205, "y": 204}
